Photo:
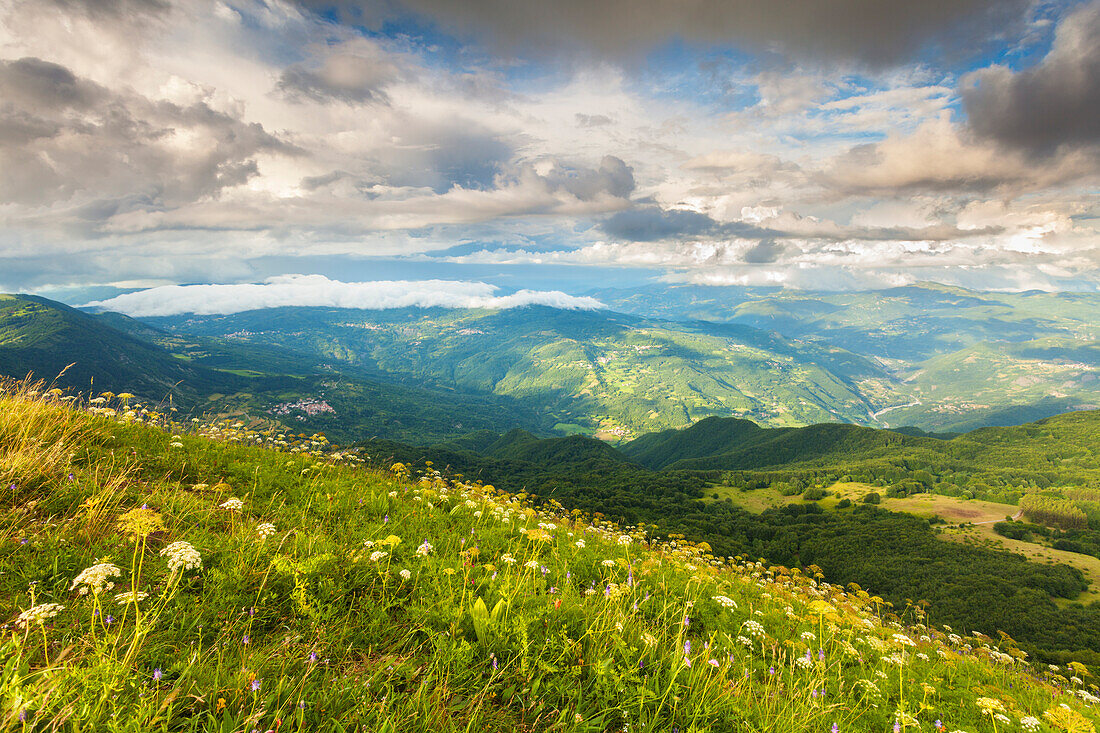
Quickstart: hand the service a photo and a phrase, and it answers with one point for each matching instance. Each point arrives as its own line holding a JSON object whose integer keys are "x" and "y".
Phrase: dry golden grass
{"x": 39, "y": 434}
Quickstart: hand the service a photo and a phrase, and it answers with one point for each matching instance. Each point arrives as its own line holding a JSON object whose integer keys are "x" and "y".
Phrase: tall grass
{"x": 339, "y": 597}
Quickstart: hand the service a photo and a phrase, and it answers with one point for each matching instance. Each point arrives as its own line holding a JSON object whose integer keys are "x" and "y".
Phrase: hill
{"x": 901, "y": 556}
{"x": 257, "y": 384}
{"x": 172, "y": 582}
{"x": 595, "y": 372}
{"x": 44, "y": 337}
{"x": 1060, "y": 450}
{"x": 729, "y": 443}
{"x": 963, "y": 358}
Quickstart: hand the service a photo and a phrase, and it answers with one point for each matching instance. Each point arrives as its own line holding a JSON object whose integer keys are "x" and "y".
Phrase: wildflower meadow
{"x": 157, "y": 576}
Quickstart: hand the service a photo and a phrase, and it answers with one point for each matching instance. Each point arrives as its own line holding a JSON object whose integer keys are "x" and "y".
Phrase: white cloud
{"x": 317, "y": 290}
{"x": 202, "y": 136}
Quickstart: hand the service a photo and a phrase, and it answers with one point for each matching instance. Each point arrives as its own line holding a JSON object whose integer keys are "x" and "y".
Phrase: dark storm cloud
{"x": 875, "y": 31}
{"x": 652, "y": 223}
{"x": 34, "y": 83}
{"x": 1054, "y": 103}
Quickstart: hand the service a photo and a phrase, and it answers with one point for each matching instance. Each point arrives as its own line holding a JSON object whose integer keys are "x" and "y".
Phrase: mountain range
{"x": 937, "y": 358}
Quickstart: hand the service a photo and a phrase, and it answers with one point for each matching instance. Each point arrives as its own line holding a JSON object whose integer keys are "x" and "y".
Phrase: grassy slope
{"x": 305, "y": 630}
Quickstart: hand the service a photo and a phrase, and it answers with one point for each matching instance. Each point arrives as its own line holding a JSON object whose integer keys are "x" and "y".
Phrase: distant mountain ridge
{"x": 45, "y": 337}
{"x": 111, "y": 352}
{"x": 597, "y": 372}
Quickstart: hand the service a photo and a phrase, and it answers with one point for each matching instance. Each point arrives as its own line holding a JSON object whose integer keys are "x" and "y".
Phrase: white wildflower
{"x": 753, "y": 628}
{"x": 904, "y": 640}
{"x": 725, "y": 601}
{"x": 182, "y": 556}
{"x": 96, "y": 579}
{"x": 38, "y": 614}
{"x": 131, "y": 596}
{"x": 405, "y": 574}
{"x": 425, "y": 549}
{"x": 265, "y": 530}
{"x": 233, "y": 505}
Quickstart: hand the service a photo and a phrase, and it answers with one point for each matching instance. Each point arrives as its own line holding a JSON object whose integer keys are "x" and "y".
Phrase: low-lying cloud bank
{"x": 318, "y": 290}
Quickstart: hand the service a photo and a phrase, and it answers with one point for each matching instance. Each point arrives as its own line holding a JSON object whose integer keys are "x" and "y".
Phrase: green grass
{"x": 319, "y": 627}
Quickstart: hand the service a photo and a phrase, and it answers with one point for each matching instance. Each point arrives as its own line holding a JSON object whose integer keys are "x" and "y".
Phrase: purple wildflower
{"x": 158, "y": 673}
{"x": 255, "y": 685}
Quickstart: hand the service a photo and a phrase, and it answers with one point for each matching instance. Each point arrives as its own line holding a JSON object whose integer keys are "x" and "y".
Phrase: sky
{"x": 498, "y": 146}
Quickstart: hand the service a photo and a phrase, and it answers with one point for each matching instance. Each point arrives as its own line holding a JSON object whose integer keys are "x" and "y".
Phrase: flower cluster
{"x": 38, "y": 614}
{"x": 96, "y": 579}
{"x": 131, "y": 596}
{"x": 182, "y": 556}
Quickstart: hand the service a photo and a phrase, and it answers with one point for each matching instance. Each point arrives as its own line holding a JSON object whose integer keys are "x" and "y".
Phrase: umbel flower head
{"x": 140, "y": 523}
{"x": 233, "y": 505}
{"x": 38, "y": 614}
{"x": 182, "y": 556}
{"x": 96, "y": 579}
{"x": 131, "y": 596}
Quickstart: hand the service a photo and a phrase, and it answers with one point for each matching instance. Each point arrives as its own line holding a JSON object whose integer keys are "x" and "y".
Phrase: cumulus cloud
{"x": 359, "y": 72}
{"x": 939, "y": 156}
{"x": 190, "y": 140}
{"x": 652, "y": 223}
{"x": 317, "y": 290}
{"x": 62, "y": 136}
{"x": 1054, "y": 103}
{"x": 879, "y": 32}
